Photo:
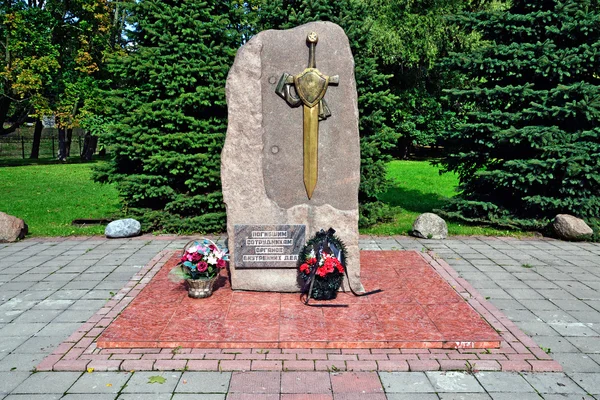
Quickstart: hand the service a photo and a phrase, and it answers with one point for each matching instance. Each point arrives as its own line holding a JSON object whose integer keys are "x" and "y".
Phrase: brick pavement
{"x": 548, "y": 288}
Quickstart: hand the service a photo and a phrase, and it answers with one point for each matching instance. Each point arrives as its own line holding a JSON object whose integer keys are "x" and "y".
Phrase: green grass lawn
{"x": 418, "y": 188}
{"x": 49, "y": 197}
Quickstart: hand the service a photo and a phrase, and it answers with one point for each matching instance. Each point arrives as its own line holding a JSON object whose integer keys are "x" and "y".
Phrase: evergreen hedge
{"x": 171, "y": 113}
{"x": 529, "y": 146}
{"x": 169, "y": 102}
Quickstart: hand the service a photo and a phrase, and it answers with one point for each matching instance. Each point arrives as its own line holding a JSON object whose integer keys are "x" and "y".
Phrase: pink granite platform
{"x": 427, "y": 318}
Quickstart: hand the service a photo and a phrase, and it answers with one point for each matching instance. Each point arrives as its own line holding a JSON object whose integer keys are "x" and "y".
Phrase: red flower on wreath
{"x": 305, "y": 268}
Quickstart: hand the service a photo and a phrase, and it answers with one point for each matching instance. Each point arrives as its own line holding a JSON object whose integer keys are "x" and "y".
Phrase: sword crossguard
{"x": 283, "y": 90}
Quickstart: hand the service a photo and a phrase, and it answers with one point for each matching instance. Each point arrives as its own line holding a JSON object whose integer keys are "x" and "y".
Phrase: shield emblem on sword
{"x": 311, "y": 86}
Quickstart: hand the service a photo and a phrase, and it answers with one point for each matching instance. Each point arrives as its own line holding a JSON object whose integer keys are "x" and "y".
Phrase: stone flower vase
{"x": 201, "y": 288}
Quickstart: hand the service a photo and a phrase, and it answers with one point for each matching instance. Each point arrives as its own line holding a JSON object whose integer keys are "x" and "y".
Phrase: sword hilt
{"x": 312, "y": 40}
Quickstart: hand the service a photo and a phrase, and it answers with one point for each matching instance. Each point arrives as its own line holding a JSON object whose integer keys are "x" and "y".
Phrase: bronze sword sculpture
{"x": 310, "y": 86}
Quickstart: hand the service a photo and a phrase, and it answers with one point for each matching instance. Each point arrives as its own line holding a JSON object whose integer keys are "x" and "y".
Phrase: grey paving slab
{"x": 100, "y": 382}
{"x": 586, "y": 344}
{"x": 454, "y": 381}
{"x": 10, "y": 380}
{"x": 145, "y": 396}
{"x": 46, "y": 396}
{"x": 140, "y": 382}
{"x": 503, "y": 382}
{"x": 464, "y": 396}
{"x": 553, "y": 383}
{"x": 47, "y": 382}
{"x": 511, "y": 396}
{"x": 39, "y": 344}
{"x": 89, "y": 396}
{"x": 406, "y": 382}
{"x": 412, "y": 396}
{"x": 21, "y": 362}
{"x": 590, "y": 382}
{"x": 204, "y": 382}
{"x": 576, "y": 362}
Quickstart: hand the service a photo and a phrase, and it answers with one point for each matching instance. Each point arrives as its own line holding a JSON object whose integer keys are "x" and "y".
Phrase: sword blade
{"x": 311, "y": 148}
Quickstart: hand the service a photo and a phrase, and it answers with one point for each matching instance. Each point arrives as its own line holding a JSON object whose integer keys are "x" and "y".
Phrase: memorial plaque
{"x": 268, "y": 246}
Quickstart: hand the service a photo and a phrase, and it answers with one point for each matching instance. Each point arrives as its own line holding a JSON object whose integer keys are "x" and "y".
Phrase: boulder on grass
{"x": 123, "y": 228}
{"x": 568, "y": 227}
{"x": 430, "y": 226}
{"x": 11, "y": 228}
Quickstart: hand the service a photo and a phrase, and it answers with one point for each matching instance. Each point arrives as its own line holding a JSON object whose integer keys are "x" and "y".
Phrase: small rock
{"x": 430, "y": 226}
{"x": 568, "y": 227}
{"x": 11, "y": 228}
{"x": 123, "y": 228}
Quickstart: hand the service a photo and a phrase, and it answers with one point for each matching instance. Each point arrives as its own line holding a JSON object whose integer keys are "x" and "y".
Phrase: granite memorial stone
{"x": 263, "y": 160}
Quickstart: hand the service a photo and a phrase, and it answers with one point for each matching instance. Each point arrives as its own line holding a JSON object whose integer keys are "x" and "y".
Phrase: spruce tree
{"x": 375, "y": 101}
{"x": 529, "y": 147}
{"x": 170, "y": 113}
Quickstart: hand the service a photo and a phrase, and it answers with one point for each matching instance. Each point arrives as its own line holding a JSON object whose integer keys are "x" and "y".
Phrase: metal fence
{"x": 19, "y": 143}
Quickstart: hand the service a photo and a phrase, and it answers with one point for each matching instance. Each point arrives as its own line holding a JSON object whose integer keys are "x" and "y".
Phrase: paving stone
{"x": 305, "y": 382}
{"x": 21, "y": 362}
{"x": 567, "y": 396}
{"x": 100, "y": 382}
{"x": 10, "y": 380}
{"x": 464, "y": 396}
{"x": 139, "y": 382}
{"x": 21, "y": 329}
{"x": 39, "y": 344}
{"x": 47, "y": 382}
{"x": 64, "y": 329}
{"x": 356, "y": 382}
{"x": 511, "y": 396}
{"x": 255, "y": 382}
{"x": 38, "y": 316}
{"x": 154, "y": 396}
{"x": 535, "y": 328}
{"x": 503, "y": 382}
{"x": 204, "y": 382}
{"x": 358, "y": 396}
{"x": 453, "y": 381}
{"x": 9, "y": 344}
{"x": 412, "y": 396}
{"x": 576, "y": 362}
{"x": 88, "y": 396}
{"x": 586, "y": 344}
{"x": 590, "y": 382}
{"x": 552, "y": 383}
{"x": 46, "y": 396}
{"x": 406, "y": 382}
{"x": 79, "y": 316}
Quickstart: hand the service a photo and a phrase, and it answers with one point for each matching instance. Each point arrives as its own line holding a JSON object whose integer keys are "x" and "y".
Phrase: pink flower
{"x": 202, "y": 266}
{"x": 221, "y": 263}
{"x": 196, "y": 257}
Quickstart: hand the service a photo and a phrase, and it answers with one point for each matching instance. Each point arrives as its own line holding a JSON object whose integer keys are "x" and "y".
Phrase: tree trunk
{"x": 68, "y": 141}
{"x": 403, "y": 148}
{"x": 89, "y": 146}
{"x": 62, "y": 144}
{"x": 37, "y": 137}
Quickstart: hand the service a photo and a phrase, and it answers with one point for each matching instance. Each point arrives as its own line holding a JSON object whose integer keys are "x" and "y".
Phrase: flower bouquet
{"x": 322, "y": 265}
{"x": 199, "y": 265}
